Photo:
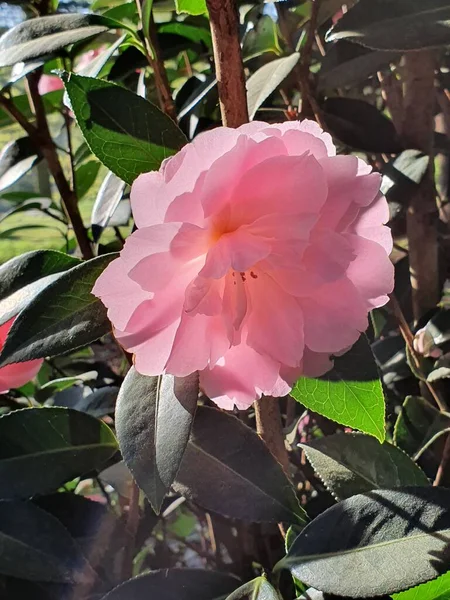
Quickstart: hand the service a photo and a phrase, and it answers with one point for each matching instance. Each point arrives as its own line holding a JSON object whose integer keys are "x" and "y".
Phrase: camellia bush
{"x": 225, "y": 340}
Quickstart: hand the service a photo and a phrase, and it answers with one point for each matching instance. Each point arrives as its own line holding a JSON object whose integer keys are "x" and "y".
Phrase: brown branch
{"x": 131, "y": 530}
{"x": 444, "y": 464}
{"x": 224, "y": 20}
{"x": 153, "y": 55}
{"x": 270, "y": 429}
{"x": 392, "y": 93}
{"x": 422, "y": 213}
{"x": 40, "y": 136}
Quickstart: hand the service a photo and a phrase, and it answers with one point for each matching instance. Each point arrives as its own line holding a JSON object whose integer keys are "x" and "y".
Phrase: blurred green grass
{"x": 47, "y": 237}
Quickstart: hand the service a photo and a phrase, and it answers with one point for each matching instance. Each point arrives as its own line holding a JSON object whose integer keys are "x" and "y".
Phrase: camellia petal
{"x": 257, "y": 257}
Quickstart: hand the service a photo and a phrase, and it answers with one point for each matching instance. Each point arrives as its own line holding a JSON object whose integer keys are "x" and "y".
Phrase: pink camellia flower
{"x": 258, "y": 254}
{"x": 17, "y": 374}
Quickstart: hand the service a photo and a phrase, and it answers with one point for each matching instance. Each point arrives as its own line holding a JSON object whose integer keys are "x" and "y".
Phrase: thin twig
{"x": 131, "y": 529}
{"x": 444, "y": 463}
{"x": 153, "y": 55}
{"x": 408, "y": 336}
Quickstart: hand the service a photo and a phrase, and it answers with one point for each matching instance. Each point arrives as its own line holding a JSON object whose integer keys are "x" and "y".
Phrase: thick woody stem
{"x": 269, "y": 427}
{"x": 422, "y": 215}
{"x": 224, "y": 20}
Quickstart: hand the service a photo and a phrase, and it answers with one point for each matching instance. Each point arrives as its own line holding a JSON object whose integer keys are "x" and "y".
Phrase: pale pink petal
{"x": 334, "y": 317}
{"x": 120, "y": 294}
{"x": 200, "y": 341}
{"x": 315, "y": 364}
{"x": 371, "y": 272}
{"x": 17, "y": 374}
{"x": 231, "y": 384}
{"x": 275, "y": 322}
{"x": 148, "y": 201}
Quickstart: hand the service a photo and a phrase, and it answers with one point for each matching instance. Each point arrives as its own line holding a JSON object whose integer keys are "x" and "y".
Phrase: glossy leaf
{"x": 266, "y": 80}
{"x": 263, "y": 37}
{"x": 376, "y": 543}
{"x": 36, "y": 547}
{"x": 192, "y": 7}
{"x": 228, "y": 469}
{"x": 128, "y": 134}
{"x": 153, "y": 421}
{"x": 350, "y": 394}
{"x": 41, "y": 36}
{"x": 176, "y": 584}
{"x": 401, "y": 25}
{"x": 17, "y": 158}
{"x": 360, "y": 125}
{"x": 418, "y": 424}
{"x": 346, "y": 64}
{"x": 106, "y": 202}
{"x": 31, "y": 266}
{"x": 355, "y": 463}
{"x": 257, "y": 589}
{"x": 62, "y": 317}
{"x": 85, "y": 176}
{"x": 42, "y": 448}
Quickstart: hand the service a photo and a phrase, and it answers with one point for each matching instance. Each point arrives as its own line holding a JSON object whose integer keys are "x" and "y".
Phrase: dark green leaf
{"x": 417, "y": 424}
{"x": 100, "y": 403}
{"x": 44, "y": 35}
{"x": 192, "y": 33}
{"x": 228, "y": 469}
{"x": 153, "y": 421}
{"x": 350, "y": 393}
{"x": 346, "y": 64}
{"x": 94, "y": 68}
{"x": 16, "y": 159}
{"x": 42, "y": 448}
{"x": 360, "y": 125}
{"x": 257, "y": 589}
{"x": 42, "y": 204}
{"x": 31, "y": 266}
{"x": 36, "y": 547}
{"x": 62, "y": 317}
{"x": 85, "y": 176}
{"x": 354, "y": 463}
{"x": 108, "y": 198}
{"x": 266, "y": 80}
{"x": 376, "y": 543}
{"x": 396, "y": 25}
{"x": 176, "y": 584}
{"x": 193, "y": 7}
{"x": 128, "y": 134}
{"x": 146, "y": 17}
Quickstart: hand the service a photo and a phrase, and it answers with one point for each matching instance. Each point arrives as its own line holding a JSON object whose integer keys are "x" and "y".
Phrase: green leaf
{"x": 346, "y": 63}
{"x": 176, "y": 584}
{"x": 266, "y": 80}
{"x": 439, "y": 589}
{"x": 228, "y": 469}
{"x": 350, "y": 394}
{"x": 377, "y": 543}
{"x": 418, "y": 425}
{"x": 85, "y": 176}
{"x": 17, "y": 158}
{"x": 153, "y": 421}
{"x": 257, "y": 589}
{"x": 355, "y": 463}
{"x": 360, "y": 125}
{"x": 191, "y": 32}
{"x": 36, "y": 547}
{"x": 94, "y": 68}
{"x": 64, "y": 316}
{"x": 192, "y": 7}
{"x": 146, "y": 17}
{"x": 31, "y": 266}
{"x": 401, "y": 25}
{"x": 107, "y": 200}
{"x": 42, "y": 36}
{"x": 262, "y": 38}
{"x": 128, "y": 134}
{"x": 42, "y": 448}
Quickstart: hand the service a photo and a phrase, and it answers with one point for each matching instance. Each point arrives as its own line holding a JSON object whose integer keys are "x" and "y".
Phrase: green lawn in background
{"x": 37, "y": 238}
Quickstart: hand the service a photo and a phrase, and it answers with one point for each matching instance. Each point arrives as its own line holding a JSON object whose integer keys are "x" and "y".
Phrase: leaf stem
{"x": 224, "y": 20}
